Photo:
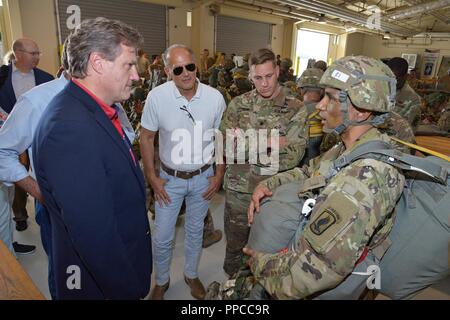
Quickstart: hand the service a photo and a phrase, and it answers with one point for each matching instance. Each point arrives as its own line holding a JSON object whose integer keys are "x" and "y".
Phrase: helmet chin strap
{"x": 344, "y": 101}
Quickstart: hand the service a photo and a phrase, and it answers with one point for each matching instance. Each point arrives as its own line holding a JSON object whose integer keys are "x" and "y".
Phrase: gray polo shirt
{"x": 186, "y": 128}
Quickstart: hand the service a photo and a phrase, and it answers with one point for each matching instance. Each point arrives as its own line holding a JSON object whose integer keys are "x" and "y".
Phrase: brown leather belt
{"x": 184, "y": 174}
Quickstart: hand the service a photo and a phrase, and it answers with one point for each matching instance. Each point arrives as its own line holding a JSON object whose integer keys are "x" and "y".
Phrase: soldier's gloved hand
{"x": 261, "y": 191}
{"x": 161, "y": 195}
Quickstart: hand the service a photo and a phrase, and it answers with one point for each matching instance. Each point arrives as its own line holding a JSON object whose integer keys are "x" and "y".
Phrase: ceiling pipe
{"x": 305, "y": 15}
{"x": 346, "y": 14}
{"x": 437, "y": 15}
{"x": 291, "y": 13}
{"x": 269, "y": 11}
{"x": 418, "y": 9}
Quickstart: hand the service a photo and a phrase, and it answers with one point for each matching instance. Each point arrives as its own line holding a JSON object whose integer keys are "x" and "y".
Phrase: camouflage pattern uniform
{"x": 225, "y": 80}
{"x": 133, "y": 108}
{"x": 434, "y": 103}
{"x": 444, "y": 120}
{"x": 309, "y": 80}
{"x": 241, "y": 83}
{"x": 353, "y": 210}
{"x": 408, "y": 104}
{"x": 251, "y": 111}
{"x": 292, "y": 86}
{"x": 354, "y": 207}
{"x": 285, "y": 71}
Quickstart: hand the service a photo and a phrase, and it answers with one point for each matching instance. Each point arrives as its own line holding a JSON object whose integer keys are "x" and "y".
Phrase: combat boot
{"x": 158, "y": 291}
{"x": 212, "y": 238}
{"x": 197, "y": 288}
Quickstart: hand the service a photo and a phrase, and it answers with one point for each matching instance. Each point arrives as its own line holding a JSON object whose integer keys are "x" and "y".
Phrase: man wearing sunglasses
{"x": 184, "y": 111}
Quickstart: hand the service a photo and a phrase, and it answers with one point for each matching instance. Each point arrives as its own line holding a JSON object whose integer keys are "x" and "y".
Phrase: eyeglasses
{"x": 33, "y": 53}
{"x": 188, "y": 113}
{"x": 179, "y": 70}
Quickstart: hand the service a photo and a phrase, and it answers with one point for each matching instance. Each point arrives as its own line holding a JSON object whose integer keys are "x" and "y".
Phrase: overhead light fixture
{"x": 386, "y": 35}
{"x": 321, "y": 19}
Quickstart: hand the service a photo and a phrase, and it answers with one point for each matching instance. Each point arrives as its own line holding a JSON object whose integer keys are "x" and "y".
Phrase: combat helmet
{"x": 310, "y": 78}
{"x": 368, "y": 83}
{"x": 286, "y": 64}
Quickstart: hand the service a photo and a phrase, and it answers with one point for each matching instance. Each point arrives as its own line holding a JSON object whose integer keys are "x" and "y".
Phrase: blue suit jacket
{"x": 7, "y": 95}
{"x": 95, "y": 195}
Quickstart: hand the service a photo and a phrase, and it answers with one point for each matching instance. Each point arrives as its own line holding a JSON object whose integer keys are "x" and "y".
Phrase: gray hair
{"x": 64, "y": 57}
{"x": 166, "y": 54}
{"x": 98, "y": 35}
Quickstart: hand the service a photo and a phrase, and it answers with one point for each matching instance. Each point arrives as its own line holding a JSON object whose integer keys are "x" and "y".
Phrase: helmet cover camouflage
{"x": 369, "y": 83}
{"x": 310, "y": 78}
{"x": 286, "y": 63}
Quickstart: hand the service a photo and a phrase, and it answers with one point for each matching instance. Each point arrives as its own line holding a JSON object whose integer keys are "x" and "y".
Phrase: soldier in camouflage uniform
{"x": 312, "y": 92}
{"x": 286, "y": 73}
{"x": 133, "y": 108}
{"x": 241, "y": 83}
{"x": 408, "y": 103}
{"x": 225, "y": 80}
{"x": 266, "y": 107}
{"x": 434, "y": 103}
{"x": 444, "y": 120}
{"x": 354, "y": 206}
{"x": 322, "y": 65}
{"x": 292, "y": 86}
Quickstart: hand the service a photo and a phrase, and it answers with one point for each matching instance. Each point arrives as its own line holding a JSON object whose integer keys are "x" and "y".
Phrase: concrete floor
{"x": 210, "y": 267}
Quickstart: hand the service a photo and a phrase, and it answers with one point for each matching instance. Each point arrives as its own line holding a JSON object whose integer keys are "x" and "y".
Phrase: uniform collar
{"x": 278, "y": 101}
{"x": 370, "y": 135}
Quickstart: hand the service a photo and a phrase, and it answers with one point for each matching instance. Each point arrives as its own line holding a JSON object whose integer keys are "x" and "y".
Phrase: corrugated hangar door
{"x": 149, "y": 19}
{"x": 241, "y": 36}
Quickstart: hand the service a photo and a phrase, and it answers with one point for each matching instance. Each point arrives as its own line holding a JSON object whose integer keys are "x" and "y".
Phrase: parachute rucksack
{"x": 417, "y": 256}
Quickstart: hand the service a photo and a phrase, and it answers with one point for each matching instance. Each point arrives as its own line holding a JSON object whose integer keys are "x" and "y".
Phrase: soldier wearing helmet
{"x": 322, "y": 65}
{"x": 353, "y": 207}
{"x": 408, "y": 102}
{"x": 286, "y": 73}
{"x": 312, "y": 92}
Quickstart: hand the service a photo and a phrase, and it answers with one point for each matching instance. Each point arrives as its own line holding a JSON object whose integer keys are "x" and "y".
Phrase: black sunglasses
{"x": 179, "y": 70}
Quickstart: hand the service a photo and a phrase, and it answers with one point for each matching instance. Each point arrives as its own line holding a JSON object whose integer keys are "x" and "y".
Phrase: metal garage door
{"x": 241, "y": 36}
{"x": 149, "y": 19}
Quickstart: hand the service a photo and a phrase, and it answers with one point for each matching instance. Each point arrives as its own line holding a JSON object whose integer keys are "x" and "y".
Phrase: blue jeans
{"x": 166, "y": 216}
{"x": 6, "y": 220}
{"x": 43, "y": 220}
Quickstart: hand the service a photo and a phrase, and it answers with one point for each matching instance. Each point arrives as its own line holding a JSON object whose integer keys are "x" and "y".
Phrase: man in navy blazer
{"x": 18, "y": 77}
{"x": 91, "y": 182}
{"x": 26, "y": 74}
